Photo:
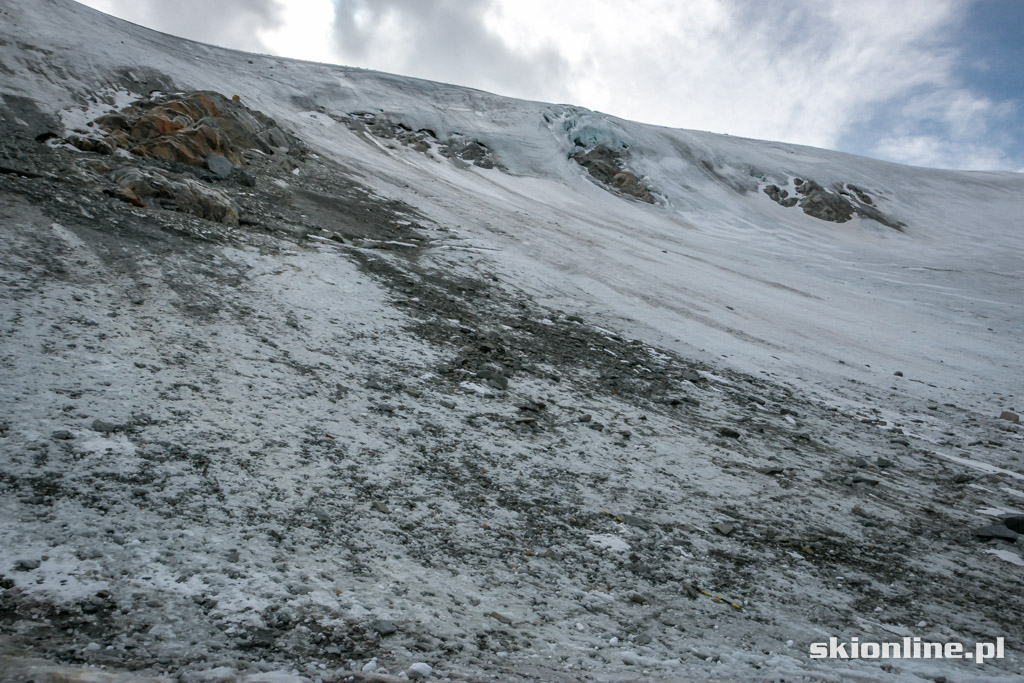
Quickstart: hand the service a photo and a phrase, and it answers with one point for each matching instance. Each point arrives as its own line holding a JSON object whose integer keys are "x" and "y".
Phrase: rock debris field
{"x": 261, "y": 421}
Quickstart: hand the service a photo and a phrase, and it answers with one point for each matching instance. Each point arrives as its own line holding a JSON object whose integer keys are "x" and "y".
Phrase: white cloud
{"x": 229, "y": 23}
{"x": 798, "y": 71}
{"x": 875, "y": 76}
{"x": 939, "y": 152}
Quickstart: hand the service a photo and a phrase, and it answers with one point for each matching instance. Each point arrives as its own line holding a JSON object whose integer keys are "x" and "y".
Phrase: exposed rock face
{"x": 186, "y": 128}
{"x": 461, "y": 147}
{"x": 455, "y": 147}
{"x": 818, "y": 202}
{"x": 606, "y": 165}
{"x": 780, "y": 196}
{"x": 837, "y": 205}
{"x": 142, "y": 187}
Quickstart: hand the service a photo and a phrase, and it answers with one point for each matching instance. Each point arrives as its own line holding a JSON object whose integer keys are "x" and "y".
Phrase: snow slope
{"x": 769, "y": 303}
{"x": 940, "y": 301}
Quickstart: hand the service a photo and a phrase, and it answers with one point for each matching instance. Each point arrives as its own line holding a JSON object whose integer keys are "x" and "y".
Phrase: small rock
{"x": 246, "y": 179}
{"x": 495, "y": 379}
{"x": 419, "y": 671}
{"x": 633, "y": 520}
{"x": 883, "y": 462}
{"x": 860, "y": 462}
{"x": 104, "y": 426}
{"x": 219, "y": 165}
{"x": 586, "y": 417}
{"x": 384, "y": 627}
{"x": 997, "y": 531}
{"x": 724, "y": 528}
{"x": 447, "y": 404}
{"x": 1010, "y": 417}
{"x": 26, "y": 565}
{"x": 500, "y": 617}
{"x": 729, "y": 432}
{"x": 380, "y": 507}
{"x": 1015, "y": 523}
{"x": 62, "y": 435}
{"x": 898, "y": 373}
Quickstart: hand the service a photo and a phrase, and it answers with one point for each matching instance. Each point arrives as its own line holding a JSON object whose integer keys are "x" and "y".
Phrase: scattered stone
{"x": 898, "y": 373}
{"x": 771, "y": 471}
{"x": 26, "y": 565}
{"x": 447, "y": 404}
{"x": 729, "y": 432}
{"x": 1015, "y": 523}
{"x": 724, "y": 528}
{"x": 219, "y": 166}
{"x": 1010, "y": 417}
{"x": 384, "y": 627}
{"x": 639, "y": 522}
{"x": 1000, "y": 530}
{"x": 883, "y": 462}
{"x": 380, "y": 507}
{"x": 62, "y": 435}
{"x": 105, "y": 427}
{"x": 860, "y": 462}
{"x": 500, "y": 617}
{"x": 586, "y": 417}
{"x": 495, "y": 379}
{"x": 861, "y": 479}
{"x": 419, "y": 671}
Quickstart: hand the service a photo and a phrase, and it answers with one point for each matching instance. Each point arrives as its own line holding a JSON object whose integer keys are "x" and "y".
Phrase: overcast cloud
{"x": 229, "y": 23}
{"x": 872, "y": 77}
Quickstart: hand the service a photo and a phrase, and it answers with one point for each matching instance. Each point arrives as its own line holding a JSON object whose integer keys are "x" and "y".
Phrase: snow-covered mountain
{"x": 308, "y": 368}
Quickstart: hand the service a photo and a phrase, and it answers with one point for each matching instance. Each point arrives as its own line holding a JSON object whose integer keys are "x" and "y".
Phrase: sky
{"x": 935, "y": 83}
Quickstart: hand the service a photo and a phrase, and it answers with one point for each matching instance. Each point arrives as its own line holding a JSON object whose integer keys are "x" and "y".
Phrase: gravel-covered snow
{"x": 513, "y": 425}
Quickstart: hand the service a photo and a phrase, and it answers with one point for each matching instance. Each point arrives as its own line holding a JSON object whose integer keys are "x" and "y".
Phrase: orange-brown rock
{"x": 186, "y": 128}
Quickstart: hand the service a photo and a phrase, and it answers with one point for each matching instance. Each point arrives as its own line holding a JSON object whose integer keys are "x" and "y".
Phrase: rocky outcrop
{"x": 818, "y": 202}
{"x": 606, "y": 165}
{"x": 187, "y": 129}
{"x": 780, "y": 196}
{"x": 145, "y": 187}
{"x": 836, "y": 205}
{"x": 456, "y": 146}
